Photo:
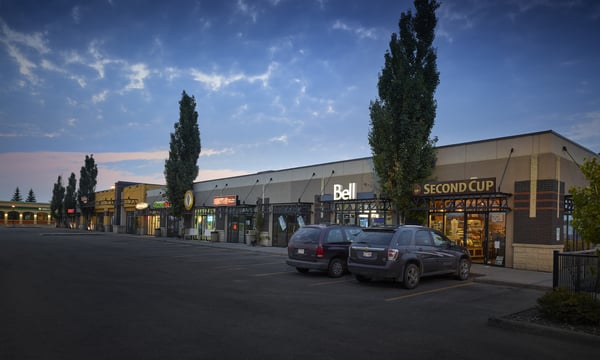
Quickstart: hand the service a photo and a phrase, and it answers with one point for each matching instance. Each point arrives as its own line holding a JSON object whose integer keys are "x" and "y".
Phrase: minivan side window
{"x": 423, "y": 238}
{"x": 334, "y": 236}
{"x": 307, "y": 235}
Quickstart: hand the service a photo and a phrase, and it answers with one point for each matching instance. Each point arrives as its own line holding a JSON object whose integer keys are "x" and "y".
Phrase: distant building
{"x": 13, "y": 213}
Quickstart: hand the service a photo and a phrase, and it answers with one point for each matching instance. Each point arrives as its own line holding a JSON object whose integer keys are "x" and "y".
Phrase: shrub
{"x": 570, "y": 307}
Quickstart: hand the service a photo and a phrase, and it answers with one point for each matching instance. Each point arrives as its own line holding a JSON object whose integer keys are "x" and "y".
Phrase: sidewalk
{"x": 479, "y": 272}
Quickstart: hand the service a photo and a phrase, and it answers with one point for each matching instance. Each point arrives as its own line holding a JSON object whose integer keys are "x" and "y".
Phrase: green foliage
{"x": 17, "y": 195}
{"x": 586, "y": 200}
{"x": 404, "y": 114}
{"x": 87, "y": 186}
{"x": 57, "y": 202}
{"x": 30, "y": 197}
{"x": 569, "y": 307}
{"x": 181, "y": 168}
{"x": 71, "y": 193}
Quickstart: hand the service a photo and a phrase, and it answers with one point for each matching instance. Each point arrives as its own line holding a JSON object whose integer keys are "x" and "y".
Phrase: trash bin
{"x": 214, "y": 236}
{"x": 157, "y": 232}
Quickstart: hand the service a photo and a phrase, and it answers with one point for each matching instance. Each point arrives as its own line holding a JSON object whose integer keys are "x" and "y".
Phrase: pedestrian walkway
{"x": 479, "y": 272}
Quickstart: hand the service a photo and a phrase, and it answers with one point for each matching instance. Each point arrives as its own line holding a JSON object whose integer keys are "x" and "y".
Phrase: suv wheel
{"x": 463, "y": 269}
{"x": 411, "y": 276}
{"x": 336, "y": 268}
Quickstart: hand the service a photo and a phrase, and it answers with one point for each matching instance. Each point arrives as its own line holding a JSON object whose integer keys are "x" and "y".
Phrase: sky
{"x": 278, "y": 83}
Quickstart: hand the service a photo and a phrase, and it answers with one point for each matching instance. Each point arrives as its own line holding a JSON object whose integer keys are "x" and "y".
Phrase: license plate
{"x": 367, "y": 254}
{"x": 300, "y": 251}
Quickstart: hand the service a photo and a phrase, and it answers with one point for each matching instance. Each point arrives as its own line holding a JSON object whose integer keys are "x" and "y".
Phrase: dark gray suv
{"x": 321, "y": 247}
{"x": 406, "y": 253}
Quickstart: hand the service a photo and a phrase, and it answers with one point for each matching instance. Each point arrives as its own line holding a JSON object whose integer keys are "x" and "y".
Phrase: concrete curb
{"x": 542, "y": 330}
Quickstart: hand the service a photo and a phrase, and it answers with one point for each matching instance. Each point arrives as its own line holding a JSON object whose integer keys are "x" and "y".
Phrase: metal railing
{"x": 577, "y": 271}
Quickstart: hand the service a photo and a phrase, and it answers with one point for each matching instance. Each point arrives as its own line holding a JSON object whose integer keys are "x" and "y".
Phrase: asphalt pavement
{"x": 479, "y": 272}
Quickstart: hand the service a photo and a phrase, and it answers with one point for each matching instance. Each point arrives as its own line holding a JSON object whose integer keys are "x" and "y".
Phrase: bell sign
{"x": 339, "y": 193}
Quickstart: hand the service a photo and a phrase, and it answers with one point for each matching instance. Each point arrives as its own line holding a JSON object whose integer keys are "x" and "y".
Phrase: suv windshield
{"x": 375, "y": 237}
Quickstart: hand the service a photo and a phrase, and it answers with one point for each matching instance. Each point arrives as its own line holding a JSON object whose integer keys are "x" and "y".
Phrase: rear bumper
{"x": 322, "y": 264}
{"x": 389, "y": 271}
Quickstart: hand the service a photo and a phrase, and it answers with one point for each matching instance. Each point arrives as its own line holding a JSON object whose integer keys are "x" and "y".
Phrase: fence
{"x": 577, "y": 271}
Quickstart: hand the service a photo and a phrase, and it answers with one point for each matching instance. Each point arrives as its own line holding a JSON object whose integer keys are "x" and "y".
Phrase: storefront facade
{"x": 504, "y": 199}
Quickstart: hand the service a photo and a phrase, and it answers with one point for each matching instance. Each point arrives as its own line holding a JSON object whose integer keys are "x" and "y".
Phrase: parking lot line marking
{"x": 271, "y": 274}
{"x": 329, "y": 282}
{"x": 430, "y": 291}
{"x": 237, "y": 267}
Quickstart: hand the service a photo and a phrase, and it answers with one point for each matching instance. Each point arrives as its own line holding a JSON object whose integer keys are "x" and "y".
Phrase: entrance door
{"x": 496, "y": 244}
{"x": 476, "y": 236}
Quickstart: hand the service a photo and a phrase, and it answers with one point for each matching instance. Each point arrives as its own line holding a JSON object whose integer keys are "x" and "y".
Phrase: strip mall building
{"x": 506, "y": 199}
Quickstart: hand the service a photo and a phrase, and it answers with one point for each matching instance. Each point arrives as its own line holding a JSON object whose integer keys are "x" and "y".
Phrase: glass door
{"x": 476, "y": 236}
{"x": 496, "y": 241}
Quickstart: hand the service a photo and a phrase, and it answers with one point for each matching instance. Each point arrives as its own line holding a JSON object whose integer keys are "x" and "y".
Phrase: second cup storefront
{"x": 471, "y": 213}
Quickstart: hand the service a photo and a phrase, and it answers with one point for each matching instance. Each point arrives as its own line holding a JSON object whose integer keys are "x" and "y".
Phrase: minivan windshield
{"x": 374, "y": 237}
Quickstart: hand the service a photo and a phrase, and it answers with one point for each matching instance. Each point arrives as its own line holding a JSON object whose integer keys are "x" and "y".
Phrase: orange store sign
{"x": 229, "y": 200}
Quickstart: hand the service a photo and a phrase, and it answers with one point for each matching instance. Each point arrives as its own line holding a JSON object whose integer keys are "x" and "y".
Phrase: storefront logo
{"x": 188, "y": 200}
{"x": 471, "y": 186}
{"x": 229, "y": 200}
{"x": 339, "y": 193}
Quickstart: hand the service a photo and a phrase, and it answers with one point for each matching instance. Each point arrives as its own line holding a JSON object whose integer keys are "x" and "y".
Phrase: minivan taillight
{"x": 320, "y": 252}
{"x": 392, "y": 254}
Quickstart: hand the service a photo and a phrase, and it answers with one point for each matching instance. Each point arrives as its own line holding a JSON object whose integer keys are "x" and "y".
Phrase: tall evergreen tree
{"x": 17, "y": 195}
{"x": 87, "y": 186}
{"x": 71, "y": 193}
{"x": 404, "y": 114}
{"x": 181, "y": 168}
{"x": 57, "y": 202}
{"x": 30, "y": 196}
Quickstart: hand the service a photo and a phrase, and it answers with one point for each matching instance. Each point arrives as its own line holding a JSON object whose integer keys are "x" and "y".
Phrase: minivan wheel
{"x": 464, "y": 269}
{"x": 411, "y": 276}
{"x": 336, "y": 268}
{"x": 302, "y": 270}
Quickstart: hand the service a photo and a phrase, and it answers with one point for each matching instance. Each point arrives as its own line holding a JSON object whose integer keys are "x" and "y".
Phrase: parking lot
{"x": 99, "y": 296}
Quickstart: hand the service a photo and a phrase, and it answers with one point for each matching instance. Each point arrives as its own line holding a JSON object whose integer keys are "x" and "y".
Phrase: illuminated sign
{"x": 339, "y": 193}
{"x": 229, "y": 200}
{"x": 458, "y": 187}
{"x": 161, "y": 204}
{"x": 188, "y": 200}
{"x": 141, "y": 206}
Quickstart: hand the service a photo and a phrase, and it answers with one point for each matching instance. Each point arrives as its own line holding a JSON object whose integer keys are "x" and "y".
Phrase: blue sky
{"x": 278, "y": 83}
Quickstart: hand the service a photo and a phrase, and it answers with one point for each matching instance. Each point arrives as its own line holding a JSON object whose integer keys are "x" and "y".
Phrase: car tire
{"x": 464, "y": 269}
{"x": 411, "y": 277}
{"x": 302, "y": 270}
{"x": 336, "y": 268}
{"x": 361, "y": 278}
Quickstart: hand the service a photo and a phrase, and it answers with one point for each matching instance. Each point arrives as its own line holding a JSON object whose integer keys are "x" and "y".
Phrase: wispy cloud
{"x": 217, "y": 81}
{"x": 138, "y": 73}
{"x": 359, "y": 31}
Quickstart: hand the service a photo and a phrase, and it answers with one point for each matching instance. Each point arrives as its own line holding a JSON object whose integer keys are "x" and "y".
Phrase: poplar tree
{"x": 87, "y": 186}
{"x": 70, "y": 201}
{"x": 181, "y": 168}
{"x": 57, "y": 202}
{"x": 404, "y": 114}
